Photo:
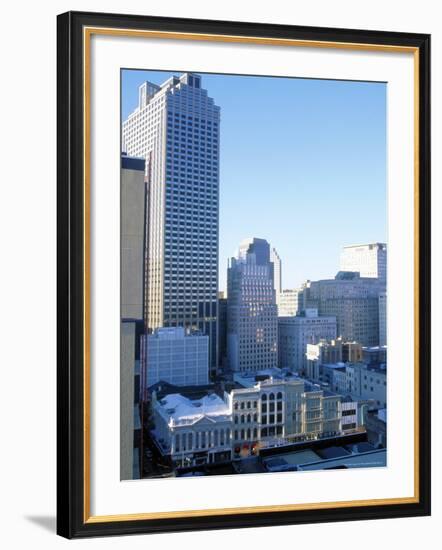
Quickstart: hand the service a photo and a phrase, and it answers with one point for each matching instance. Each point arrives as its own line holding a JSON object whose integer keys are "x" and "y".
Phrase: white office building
{"x": 176, "y": 357}
{"x": 288, "y": 302}
{"x": 175, "y": 128}
{"x": 369, "y": 260}
{"x": 252, "y": 319}
{"x": 295, "y": 333}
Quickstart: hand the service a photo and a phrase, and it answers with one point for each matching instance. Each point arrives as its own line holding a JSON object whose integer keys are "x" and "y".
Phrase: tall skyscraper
{"x": 252, "y": 318}
{"x": 277, "y": 272}
{"x": 176, "y": 129}
{"x": 369, "y": 260}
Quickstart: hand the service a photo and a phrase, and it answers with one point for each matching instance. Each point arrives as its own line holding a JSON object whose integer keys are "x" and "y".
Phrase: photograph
{"x": 253, "y": 274}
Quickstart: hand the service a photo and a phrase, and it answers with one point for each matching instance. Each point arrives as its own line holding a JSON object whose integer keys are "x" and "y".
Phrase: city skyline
{"x": 217, "y": 381}
{"x": 351, "y": 146}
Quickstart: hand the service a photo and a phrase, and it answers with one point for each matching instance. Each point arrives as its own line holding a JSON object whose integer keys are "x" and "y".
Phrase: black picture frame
{"x": 72, "y": 520}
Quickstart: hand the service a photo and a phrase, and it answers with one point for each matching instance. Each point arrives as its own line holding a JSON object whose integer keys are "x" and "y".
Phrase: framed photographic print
{"x": 243, "y": 248}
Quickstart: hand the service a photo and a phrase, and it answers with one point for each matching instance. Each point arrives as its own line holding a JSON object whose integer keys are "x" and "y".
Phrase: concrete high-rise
{"x": 353, "y": 300}
{"x": 176, "y": 129}
{"x": 369, "y": 260}
{"x": 252, "y": 318}
{"x": 295, "y": 333}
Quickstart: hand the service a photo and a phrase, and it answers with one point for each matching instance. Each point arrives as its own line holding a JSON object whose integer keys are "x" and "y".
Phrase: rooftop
{"x": 181, "y": 410}
{"x": 269, "y": 376}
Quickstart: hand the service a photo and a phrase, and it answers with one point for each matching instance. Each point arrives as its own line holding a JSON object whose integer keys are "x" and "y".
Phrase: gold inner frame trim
{"x": 134, "y": 33}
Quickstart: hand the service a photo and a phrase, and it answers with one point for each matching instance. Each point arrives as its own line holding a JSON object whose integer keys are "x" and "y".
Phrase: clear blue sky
{"x": 303, "y": 165}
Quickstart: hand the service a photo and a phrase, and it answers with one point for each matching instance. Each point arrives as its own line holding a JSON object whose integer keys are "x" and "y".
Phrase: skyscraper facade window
{"x": 252, "y": 318}
{"x": 176, "y": 128}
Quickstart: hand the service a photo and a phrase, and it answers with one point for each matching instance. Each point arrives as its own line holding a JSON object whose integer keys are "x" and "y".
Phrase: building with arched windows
{"x": 266, "y": 411}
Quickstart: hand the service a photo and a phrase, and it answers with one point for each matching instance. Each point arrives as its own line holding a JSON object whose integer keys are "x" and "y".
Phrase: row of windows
{"x": 243, "y": 418}
{"x": 242, "y": 435}
{"x": 176, "y": 137}
{"x": 271, "y": 419}
{"x": 243, "y": 405}
{"x": 272, "y": 431}
{"x": 177, "y": 129}
{"x": 174, "y": 202}
{"x": 197, "y": 120}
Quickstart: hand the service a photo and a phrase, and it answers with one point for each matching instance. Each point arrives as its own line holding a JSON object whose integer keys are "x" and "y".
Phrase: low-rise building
{"x": 374, "y": 355}
{"x": 193, "y": 432}
{"x": 267, "y": 411}
{"x": 376, "y": 425}
{"x": 368, "y": 382}
{"x": 363, "y": 382}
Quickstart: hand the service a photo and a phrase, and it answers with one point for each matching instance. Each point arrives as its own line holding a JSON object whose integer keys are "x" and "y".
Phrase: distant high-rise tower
{"x": 369, "y": 260}
{"x": 296, "y": 332}
{"x": 353, "y": 300}
{"x": 252, "y": 318}
{"x": 176, "y": 129}
{"x": 288, "y": 302}
{"x": 277, "y": 273}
